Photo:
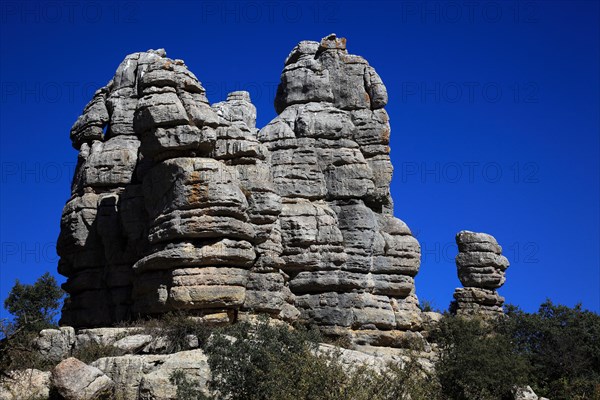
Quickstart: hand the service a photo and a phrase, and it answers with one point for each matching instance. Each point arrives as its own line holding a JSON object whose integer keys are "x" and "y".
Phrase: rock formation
{"x": 182, "y": 205}
{"x": 177, "y": 204}
{"x": 481, "y": 269}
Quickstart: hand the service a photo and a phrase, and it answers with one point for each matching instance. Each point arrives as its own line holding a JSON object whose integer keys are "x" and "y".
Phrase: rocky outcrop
{"x": 178, "y": 204}
{"x": 481, "y": 269}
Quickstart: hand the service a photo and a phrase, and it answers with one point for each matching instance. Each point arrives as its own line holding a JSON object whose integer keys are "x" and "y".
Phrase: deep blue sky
{"x": 494, "y": 109}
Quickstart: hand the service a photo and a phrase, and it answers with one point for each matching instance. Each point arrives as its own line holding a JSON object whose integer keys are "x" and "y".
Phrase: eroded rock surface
{"x": 178, "y": 204}
{"x": 481, "y": 269}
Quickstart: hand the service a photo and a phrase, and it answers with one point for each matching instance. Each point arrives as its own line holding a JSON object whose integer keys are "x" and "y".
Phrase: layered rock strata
{"x": 351, "y": 262}
{"x": 178, "y": 204}
{"x": 481, "y": 269}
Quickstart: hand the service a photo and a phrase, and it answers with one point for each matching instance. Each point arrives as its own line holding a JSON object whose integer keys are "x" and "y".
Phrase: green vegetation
{"x": 187, "y": 389}
{"x": 555, "y": 350}
{"x": 268, "y": 361}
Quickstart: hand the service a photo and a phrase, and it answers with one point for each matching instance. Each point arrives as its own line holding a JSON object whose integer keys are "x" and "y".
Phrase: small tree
{"x": 36, "y": 305}
{"x": 562, "y": 345}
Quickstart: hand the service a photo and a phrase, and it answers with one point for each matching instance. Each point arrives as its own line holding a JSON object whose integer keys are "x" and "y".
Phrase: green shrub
{"x": 428, "y": 306}
{"x": 476, "y": 362}
{"x": 178, "y": 326}
{"x": 175, "y": 328}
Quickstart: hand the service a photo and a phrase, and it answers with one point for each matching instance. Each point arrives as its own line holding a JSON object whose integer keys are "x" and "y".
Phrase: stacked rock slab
{"x": 481, "y": 269}
{"x": 178, "y": 204}
{"x": 351, "y": 262}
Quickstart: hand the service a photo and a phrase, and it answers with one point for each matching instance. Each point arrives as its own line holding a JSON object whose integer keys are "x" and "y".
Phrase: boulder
{"x": 75, "y": 380}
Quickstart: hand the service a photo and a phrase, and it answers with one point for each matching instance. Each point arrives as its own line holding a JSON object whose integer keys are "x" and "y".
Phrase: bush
{"x": 428, "y": 306}
{"x": 177, "y": 327}
{"x": 476, "y": 362}
{"x": 17, "y": 353}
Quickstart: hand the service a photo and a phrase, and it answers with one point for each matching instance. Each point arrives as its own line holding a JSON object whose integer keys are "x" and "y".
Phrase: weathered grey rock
{"x": 180, "y": 205}
{"x": 146, "y": 377}
{"x": 89, "y": 126}
{"x": 330, "y": 164}
{"x": 111, "y": 163}
{"x": 481, "y": 269}
{"x": 133, "y": 343}
{"x": 431, "y": 320}
{"x": 237, "y": 109}
{"x": 353, "y": 359}
{"x": 25, "y": 384}
{"x": 159, "y": 110}
{"x": 526, "y": 393}
{"x": 156, "y": 384}
{"x": 127, "y": 372}
{"x": 407, "y": 313}
{"x": 476, "y": 301}
{"x": 103, "y": 336}
{"x": 477, "y": 242}
{"x": 75, "y": 380}
{"x": 55, "y": 344}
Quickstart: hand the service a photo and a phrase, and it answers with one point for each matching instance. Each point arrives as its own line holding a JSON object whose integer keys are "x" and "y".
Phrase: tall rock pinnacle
{"x": 481, "y": 269}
